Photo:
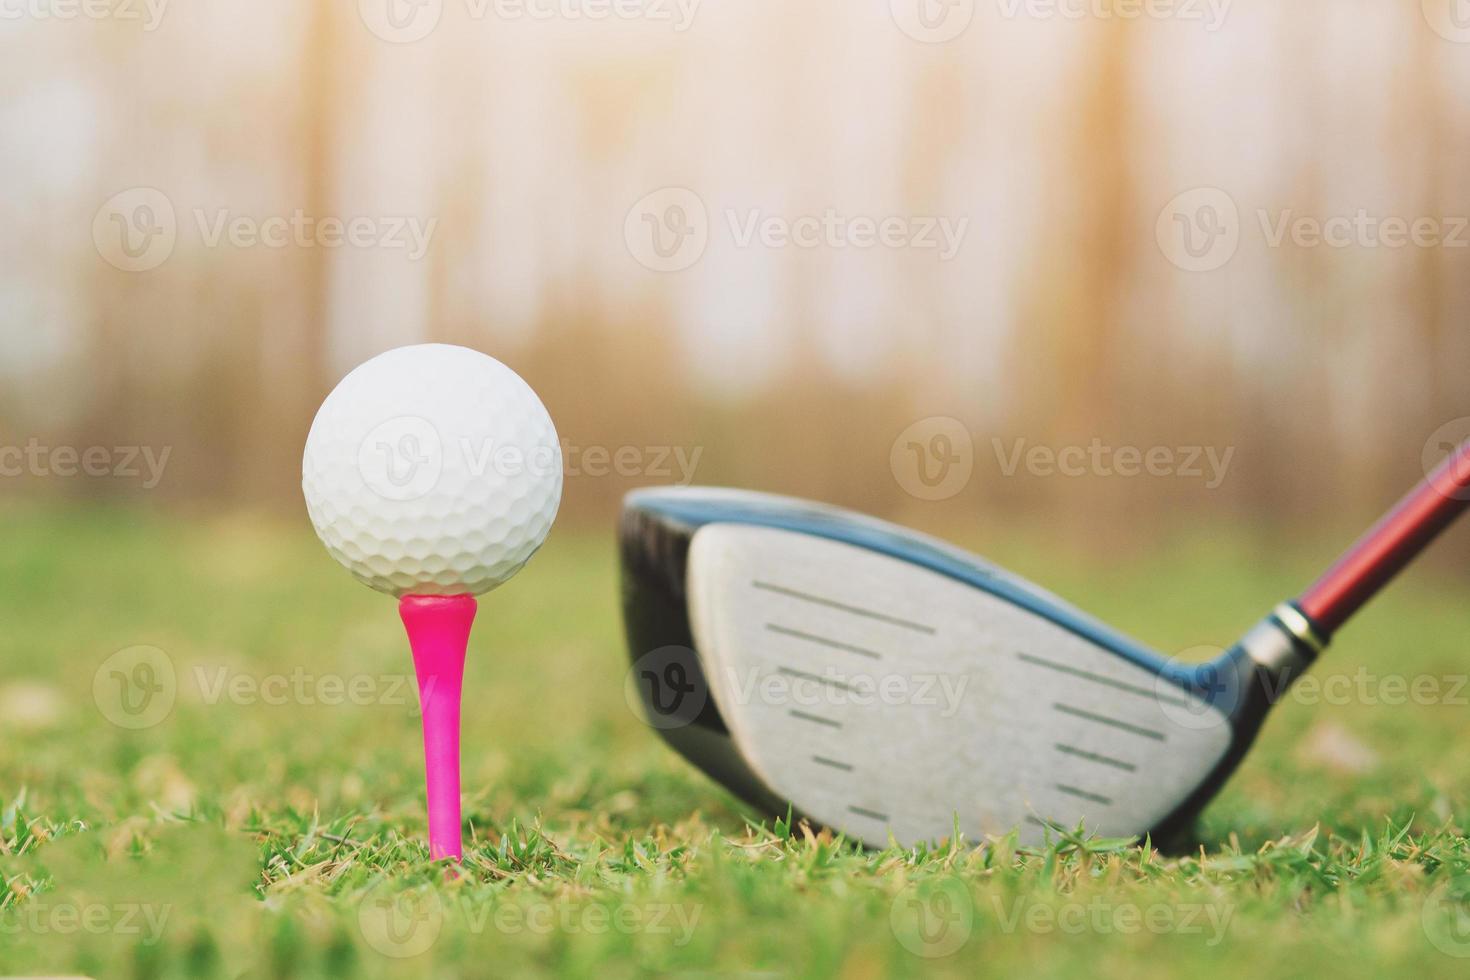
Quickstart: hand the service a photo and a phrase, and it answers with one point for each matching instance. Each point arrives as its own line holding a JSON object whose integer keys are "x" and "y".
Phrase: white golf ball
{"x": 432, "y": 470}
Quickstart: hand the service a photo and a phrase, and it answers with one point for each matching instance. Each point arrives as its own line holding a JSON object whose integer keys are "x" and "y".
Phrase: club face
{"x": 882, "y": 683}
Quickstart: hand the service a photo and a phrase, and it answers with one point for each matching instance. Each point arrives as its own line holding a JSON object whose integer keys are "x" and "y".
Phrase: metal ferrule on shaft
{"x": 1283, "y": 646}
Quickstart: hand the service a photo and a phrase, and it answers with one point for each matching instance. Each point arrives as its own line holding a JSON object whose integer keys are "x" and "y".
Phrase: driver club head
{"x": 894, "y": 688}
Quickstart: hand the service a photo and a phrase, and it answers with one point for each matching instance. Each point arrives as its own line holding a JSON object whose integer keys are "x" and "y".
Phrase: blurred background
{"x": 891, "y": 253}
{"x": 1155, "y": 301}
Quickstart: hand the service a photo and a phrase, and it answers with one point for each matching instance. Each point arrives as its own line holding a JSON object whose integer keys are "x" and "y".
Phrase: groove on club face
{"x": 880, "y": 682}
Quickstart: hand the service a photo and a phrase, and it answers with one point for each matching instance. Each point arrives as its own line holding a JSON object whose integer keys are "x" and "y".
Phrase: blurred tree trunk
{"x": 320, "y": 83}
{"x": 1441, "y": 296}
{"x": 293, "y": 339}
{"x": 103, "y": 389}
{"x": 1071, "y": 343}
{"x": 1428, "y": 127}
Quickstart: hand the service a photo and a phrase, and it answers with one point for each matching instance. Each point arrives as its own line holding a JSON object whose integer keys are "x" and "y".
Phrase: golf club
{"x": 892, "y": 687}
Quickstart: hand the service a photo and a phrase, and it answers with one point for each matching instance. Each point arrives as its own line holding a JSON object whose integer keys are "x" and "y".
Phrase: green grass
{"x": 237, "y": 837}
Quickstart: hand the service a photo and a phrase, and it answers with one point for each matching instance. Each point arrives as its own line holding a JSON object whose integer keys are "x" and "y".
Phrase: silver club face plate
{"x": 880, "y": 697}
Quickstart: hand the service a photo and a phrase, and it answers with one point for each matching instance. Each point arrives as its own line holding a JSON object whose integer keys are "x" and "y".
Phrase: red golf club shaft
{"x": 1391, "y": 544}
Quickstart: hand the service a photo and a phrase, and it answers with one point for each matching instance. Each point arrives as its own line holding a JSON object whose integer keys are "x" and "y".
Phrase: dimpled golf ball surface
{"x": 432, "y": 470}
